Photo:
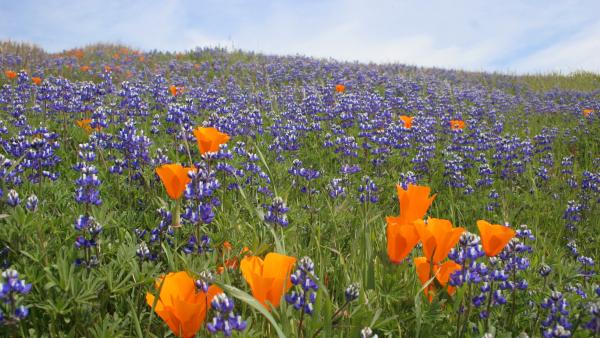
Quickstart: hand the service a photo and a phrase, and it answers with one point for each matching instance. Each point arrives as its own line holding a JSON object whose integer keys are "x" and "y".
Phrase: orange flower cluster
{"x": 457, "y": 124}
{"x": 10, "y": 74}
{"x": 407, "y": 121}
{"x": 175, "y": 91}
{"x": 340, "y": 88}
{"x": 180, "y": 304}
{"x": 437, "y": 236}
{"x": 268, "y": 279}
{"x": 174, "y": 176}
{"x": 36, "y": 80}
{"x": 85, "y": 125}
{"x": 587, "y": 112}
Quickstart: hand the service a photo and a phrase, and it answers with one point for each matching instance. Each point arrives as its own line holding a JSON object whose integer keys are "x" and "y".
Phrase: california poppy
{"x": 414, "y": 203}
{"x": 36, "y": 80}
{"x": 587, "y": 112}
{"x": 180, "y": 304}
{"x": 457, "y": 124}
{"x": 494, "y": 237}
{"x": 78, "y": 53}
{"x": 10, "y": 74}
{"x": 175, "y": 90}
{"x": 84, "y": 68}
{"x": 340, "y": 88}
{"x": 401, "y": 239}
{"x": 175, "y": 178}
{"x": 407, "y": 121}
{"x": 268, "y": 279}
{"x": 107, "y": 68}
{"x": 85, "y": 124}
{"x": 442, "y": 274}
{"x": 438, "y": 237}
{"x": 209, "y": 139}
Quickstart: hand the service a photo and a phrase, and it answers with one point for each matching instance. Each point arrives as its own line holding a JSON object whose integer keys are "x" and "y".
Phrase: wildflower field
{"x": 151, "y": 194}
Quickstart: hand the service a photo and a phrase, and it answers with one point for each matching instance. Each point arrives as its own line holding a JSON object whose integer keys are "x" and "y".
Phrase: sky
{"x": 510, "y": 36}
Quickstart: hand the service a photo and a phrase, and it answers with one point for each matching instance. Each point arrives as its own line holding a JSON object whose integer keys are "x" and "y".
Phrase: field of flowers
{"x": 236, "y": 194}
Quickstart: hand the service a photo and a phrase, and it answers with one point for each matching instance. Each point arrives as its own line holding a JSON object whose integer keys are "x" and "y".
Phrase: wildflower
{"x": 10, "y": 74}
{"x": 84, "y": 68}
{"x": 225, "y": 320}
{"x": 180, "y": 304}
{"x": 407, "y": 121}
{"x": 209, "y": 139}
{"x": 268, "y": 279}
{"x": 352, "y": 292}
{"x": 174, "y": 90}
{"x": 340, "y": 88}
{"x": 85, "y": 124}
{"x": 276, "y": 212}
{"x": 12, "y": 198}
{"x": 367, "y": 333}
{"x": 12, "y": 289}
{"x": 587, "y": 112}
{"x": 494, "y": 237}
{"x": 414, "y": 203}
{"x": 457, "y": 124}
{"x": 438, "y": 237}
{"x": 367, "y": 192}
{"x": 305, "y": 294}
{"x": 442, "y": 274}
{"x": 401, "y": 239}
{"x": 32, "y": 203}
{"x": 175, "y": 178}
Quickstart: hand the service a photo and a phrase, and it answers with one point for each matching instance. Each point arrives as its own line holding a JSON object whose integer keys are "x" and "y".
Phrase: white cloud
{"x": 581, "y": 52}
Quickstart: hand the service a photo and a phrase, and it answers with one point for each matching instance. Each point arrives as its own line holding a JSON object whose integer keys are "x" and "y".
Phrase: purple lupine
{"x": 303, "y": 296}
{"x": 275, "y": 213}
{"x": 225, "y": 319}
{"x": 12, "y": 291}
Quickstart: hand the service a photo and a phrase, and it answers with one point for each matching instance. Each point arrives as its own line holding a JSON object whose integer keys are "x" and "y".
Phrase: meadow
{"x": 217, "y": 193}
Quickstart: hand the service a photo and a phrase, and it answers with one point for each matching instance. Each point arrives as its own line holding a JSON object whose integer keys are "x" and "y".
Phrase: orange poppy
{"x": 457, "y": 124}
{"x": 142, "y": 58}
{"x": 268, "y": 279}
{"x": 209, "y": 139}
{"x": 340, "y": 88}
{"x": 401, "y": 239}
{"x": 407, "y": 121}
{"x": 414, "y": 203}
{"x": 494, "y": 237}
{"x": 175, "y": 178}
{"x": 587, "y": 112}
{"x": 78, "y": 53}
{"x": 36, "y": 80}
{"x": 85, "y": 124}
{"x": 107, "y": 68}
{"x": 10, "y": 74}
{"x": 232, "y": 262}
{"x": 84, "y": 68}
{"x": 442, "y": 275}
{"x": 180, "y": 304}
{"x": 438, "y": 237}
{"x": 175, "y": 90}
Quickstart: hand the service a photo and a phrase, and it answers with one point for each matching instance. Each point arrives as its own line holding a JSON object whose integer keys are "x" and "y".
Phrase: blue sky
{"x": 516, "y": 36}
